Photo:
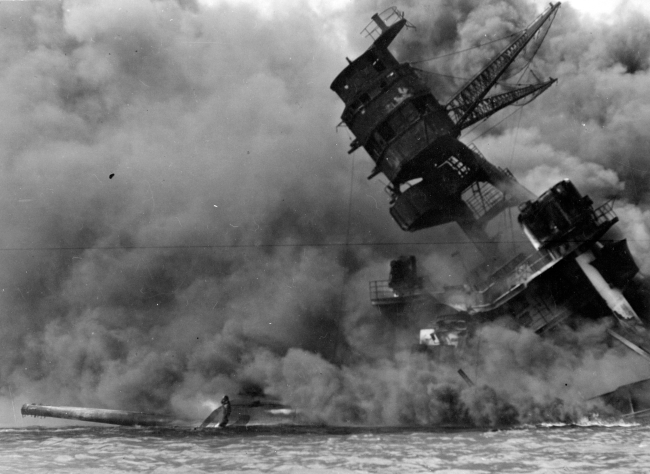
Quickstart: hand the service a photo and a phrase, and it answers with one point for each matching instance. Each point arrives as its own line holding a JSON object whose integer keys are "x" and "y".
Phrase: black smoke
{"x": 181, "y": 218}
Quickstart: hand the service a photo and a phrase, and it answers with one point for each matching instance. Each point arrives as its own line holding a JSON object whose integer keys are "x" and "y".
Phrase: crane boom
{"x": 468, "y": 98}
{"x": 489, "y": 105}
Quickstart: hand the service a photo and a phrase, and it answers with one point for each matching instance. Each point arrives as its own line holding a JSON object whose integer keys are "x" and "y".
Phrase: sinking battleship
{"x": 568, "y": 268}
{"x": 243, "y": 413}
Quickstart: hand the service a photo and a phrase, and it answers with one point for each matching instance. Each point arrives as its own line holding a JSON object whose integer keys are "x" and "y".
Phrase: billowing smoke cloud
{"x": 177, "y": 200}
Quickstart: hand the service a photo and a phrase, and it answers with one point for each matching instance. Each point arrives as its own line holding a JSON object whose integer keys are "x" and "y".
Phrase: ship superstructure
{"x": 568, "y": 269}
{"x": 413, "y": 139}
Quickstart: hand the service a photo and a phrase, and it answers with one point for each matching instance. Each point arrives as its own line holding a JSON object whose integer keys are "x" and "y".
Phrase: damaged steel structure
{"x": 568, "y": 269}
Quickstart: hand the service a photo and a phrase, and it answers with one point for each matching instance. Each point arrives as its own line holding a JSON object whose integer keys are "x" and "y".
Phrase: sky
{"x": 598, "y": 9}
{"x": 603, "y": 8}
{"x": 181, "y": 218}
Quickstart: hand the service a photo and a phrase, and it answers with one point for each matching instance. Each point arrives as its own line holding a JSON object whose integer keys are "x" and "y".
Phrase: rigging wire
{"x": 347, "y": 241}
{"x": 521, "y": 70}
{"x": 475, "y": 127}
{"x": 463, "y": 50}
{"x": 542, "y": 37}
{"x": 347, "y": 229}
{"x": 443, "y": 75}
{"x": 512, "y": 158}
{"x": 476, "y": 361}
{"x": 514, "y": 141}
{"x": 247, "y": 246}
{"x": 511, "y": 223}
{"x": 501, "y": 83}
{"x": 493, "y": 126}
{"x": 13, "y": 407}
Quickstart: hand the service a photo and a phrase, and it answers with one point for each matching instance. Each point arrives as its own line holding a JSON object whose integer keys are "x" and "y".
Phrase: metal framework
{"x": 469, "y": 97}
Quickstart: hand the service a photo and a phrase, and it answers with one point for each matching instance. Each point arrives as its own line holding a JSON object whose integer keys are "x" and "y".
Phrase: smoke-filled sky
{"x": 177, "y": 200}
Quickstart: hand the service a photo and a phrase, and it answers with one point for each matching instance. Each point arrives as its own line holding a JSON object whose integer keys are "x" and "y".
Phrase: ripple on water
{"x": 580, "y": 449}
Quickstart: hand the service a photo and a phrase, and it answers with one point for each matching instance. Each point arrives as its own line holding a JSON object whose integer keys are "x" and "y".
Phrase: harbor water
{"x": 588, "y": 448}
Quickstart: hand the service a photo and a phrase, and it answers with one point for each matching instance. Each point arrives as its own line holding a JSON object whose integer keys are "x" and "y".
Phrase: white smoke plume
{"x": 177, "y": 200}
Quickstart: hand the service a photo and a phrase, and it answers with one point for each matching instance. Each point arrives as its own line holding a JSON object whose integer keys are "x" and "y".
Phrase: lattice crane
{"x": 468, "y": 106}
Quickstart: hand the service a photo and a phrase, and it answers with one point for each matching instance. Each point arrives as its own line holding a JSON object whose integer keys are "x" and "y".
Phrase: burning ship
{"x": 566, "y": 270}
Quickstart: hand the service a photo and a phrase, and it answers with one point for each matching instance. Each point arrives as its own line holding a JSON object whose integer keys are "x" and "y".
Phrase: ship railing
{"x": 587, "y": 228}
{"x": 481, "y": 197}
{"x": 511, "y": 276}
{"x": 501, "y": 282}
{"x": 382, "y": 292}
{"x": 605, "y": 213}
{"x": 549, "y": 318}
{"x": 496, "y": 171}
{"x": 508, "y": 268}
{"x": 475, "y": 149}
{"x": 497, "y": 287}
{"x": 389, "y": 16}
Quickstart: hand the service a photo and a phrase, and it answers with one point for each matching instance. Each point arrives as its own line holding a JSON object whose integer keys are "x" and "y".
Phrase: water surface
{"x": 614, "y": 448}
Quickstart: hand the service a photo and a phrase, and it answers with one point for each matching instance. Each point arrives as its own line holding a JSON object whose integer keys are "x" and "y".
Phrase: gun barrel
{"x": 99, "y": 415}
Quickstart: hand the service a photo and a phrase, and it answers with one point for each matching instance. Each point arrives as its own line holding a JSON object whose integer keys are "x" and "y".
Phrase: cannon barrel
{"x": 100, "y": 415}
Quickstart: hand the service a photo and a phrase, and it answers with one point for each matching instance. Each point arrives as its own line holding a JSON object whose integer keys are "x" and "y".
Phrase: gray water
{"x": 594, "y": 447}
